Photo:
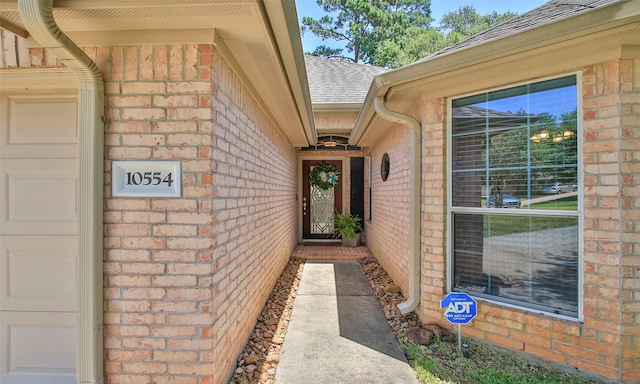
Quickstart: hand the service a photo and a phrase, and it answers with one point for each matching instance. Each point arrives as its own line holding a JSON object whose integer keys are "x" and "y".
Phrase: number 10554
{"x": 149, "y": 178}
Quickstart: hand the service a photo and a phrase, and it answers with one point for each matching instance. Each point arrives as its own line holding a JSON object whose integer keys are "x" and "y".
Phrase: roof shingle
{"x": 339, "y": 82}
{"x": 553, "y": 11}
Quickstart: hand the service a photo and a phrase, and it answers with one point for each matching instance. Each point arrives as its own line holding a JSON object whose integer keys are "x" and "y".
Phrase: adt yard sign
{"x": 461, "y": 308}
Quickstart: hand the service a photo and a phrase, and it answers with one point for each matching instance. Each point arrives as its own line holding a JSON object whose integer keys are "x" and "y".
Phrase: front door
{"x": 318, "y": 205}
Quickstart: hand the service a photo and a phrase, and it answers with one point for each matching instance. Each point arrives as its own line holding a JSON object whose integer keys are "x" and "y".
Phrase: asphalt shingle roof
{"x": 334, "y": 81}
{"x": 340, "y": 82}
{"x": 553, "y": 11}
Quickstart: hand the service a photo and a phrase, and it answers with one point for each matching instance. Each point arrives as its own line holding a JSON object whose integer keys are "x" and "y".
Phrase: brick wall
{"x": 256, "y": 183}
{"x": 391, "y": 206}
{"x": 612, "y": 217}
{"x": 607, "y": 343}
{"x": 159, "y": 261}
{"x": 630, "y": 220}
{"x": 387, "y": 234}
{"x": 434, "y": 208}
{"x": 185, "y": 278}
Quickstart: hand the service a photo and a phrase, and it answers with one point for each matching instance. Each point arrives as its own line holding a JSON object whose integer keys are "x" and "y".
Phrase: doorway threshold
{"x": 322, "y": 242}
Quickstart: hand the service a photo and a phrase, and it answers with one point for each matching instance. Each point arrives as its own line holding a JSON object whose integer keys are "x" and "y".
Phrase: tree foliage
{"x": 467, "y": 22}
{"x": 513, "y": 153}
{"x": 392, "y": 33}
{"x": 364, "y": 24}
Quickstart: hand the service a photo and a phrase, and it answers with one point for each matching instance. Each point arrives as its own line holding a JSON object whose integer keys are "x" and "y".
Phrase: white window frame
{"x": 579, "y": 213}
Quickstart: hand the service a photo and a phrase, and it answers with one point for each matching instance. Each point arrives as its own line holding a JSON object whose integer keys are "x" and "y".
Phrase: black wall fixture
{"x": 357, "y": 187}
{"x": 384, "y": 167}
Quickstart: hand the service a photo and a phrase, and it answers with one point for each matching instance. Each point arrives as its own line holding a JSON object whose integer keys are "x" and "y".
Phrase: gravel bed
{"x": 421, "y": 342}
{"x": 259, "y": 359}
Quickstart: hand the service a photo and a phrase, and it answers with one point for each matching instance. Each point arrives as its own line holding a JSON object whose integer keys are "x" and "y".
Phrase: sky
{"x": 438, "y": 9}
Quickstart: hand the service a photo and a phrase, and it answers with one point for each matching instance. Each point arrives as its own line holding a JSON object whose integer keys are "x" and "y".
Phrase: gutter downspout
{"x": 414, "y": 200}
{"x": 37, "y": 16}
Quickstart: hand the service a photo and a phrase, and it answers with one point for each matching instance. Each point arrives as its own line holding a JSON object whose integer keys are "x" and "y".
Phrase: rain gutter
{"x": 37, "y": 16}
{"x": 414, "y": 200}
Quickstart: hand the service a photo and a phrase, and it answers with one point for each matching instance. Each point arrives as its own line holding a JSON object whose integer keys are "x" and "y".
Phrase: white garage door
{"x": 37, "y": 237}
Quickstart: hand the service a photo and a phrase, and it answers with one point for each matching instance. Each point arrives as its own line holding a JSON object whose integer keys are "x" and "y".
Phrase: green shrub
{"x": 346, "y": 225}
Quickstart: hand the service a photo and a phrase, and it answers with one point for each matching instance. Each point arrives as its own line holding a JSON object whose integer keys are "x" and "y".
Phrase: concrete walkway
{"x": 338, "y": 332}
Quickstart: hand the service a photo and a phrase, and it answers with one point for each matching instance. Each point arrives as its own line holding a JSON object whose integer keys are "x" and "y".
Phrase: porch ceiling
{"x": 260, "y": 39}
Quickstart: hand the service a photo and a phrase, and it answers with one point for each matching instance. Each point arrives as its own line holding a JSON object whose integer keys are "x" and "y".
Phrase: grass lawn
{"x": 565, "y": 204}
{"x": 497, "y": 225}
{"x": 442, "y": 363}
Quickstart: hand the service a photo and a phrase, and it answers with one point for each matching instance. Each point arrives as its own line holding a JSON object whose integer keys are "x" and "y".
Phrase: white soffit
{"x": 243, "y": 26}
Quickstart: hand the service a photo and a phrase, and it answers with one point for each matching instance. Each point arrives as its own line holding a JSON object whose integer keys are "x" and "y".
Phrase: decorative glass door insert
{"x": 318, "y": 205}
{"x": 322, "y": 203}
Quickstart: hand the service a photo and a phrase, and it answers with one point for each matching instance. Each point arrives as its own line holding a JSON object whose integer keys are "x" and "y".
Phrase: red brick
{"x": 593, "y": 367}
{"x": 190, "y": 344}
{"x": 593, "y": 345}
{"x": 173, "y": 281}
{"x": 583, "y": 353}
{"x": 129, "y": 355}
{"x": 546, "y": 354}
{"x": 546, "y": 332}
{"x": 175, "y": 356}
{"x": 505, "y": 342}
{"x": 149, "y": 368}
{"x": 630, "y": 376}
{"x": 129, "y": 379}
{"x": 189, "y": 369}
{"x": 175, "y": 379}
{"x": 129, "y": 305}
{"x": 511, "y": 324}
{"x": 531, "y": 339}
{"x": 174, "y": 331}
{"x": 143, "y": 343}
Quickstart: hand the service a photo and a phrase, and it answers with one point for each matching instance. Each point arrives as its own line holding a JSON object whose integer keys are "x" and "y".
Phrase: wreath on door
{"x": 324, "y": 176}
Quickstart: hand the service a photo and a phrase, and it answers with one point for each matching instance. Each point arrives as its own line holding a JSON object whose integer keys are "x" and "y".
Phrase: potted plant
{"x": 348, "y": 228}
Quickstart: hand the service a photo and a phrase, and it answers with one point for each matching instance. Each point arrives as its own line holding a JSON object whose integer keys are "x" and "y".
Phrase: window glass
{"x": 520, "y": 142}
{"x": 518, "y": 259}
{"x": 517, "y": 149}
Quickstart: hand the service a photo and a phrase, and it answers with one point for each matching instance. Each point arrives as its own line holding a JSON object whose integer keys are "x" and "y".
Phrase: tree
{"x": 557, "y": 156}
{"x": 364, "y": 25}
{"x": 516, "y": 159}
{"x": 392, "y": 33}
{"x": 466, "y": 22}
{"x": 415, "y": 43}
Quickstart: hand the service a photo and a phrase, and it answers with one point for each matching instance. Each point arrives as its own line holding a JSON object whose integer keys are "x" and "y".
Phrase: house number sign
{"x": 146, "y": 178}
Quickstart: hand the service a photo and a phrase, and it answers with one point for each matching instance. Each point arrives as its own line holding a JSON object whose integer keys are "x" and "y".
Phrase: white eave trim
{"x": 339, "y": 107}
{"x": 286, "y": 33}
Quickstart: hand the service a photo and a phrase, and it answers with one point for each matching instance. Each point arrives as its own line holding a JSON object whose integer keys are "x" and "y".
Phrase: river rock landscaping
{"x": 432, "y": 351}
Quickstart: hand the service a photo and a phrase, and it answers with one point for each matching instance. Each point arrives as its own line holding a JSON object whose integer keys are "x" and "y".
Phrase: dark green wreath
{"x": 330, "y": 176}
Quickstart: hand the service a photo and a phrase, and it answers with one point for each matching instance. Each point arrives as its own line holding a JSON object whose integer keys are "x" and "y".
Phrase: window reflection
{"x": 516, "y": 151}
